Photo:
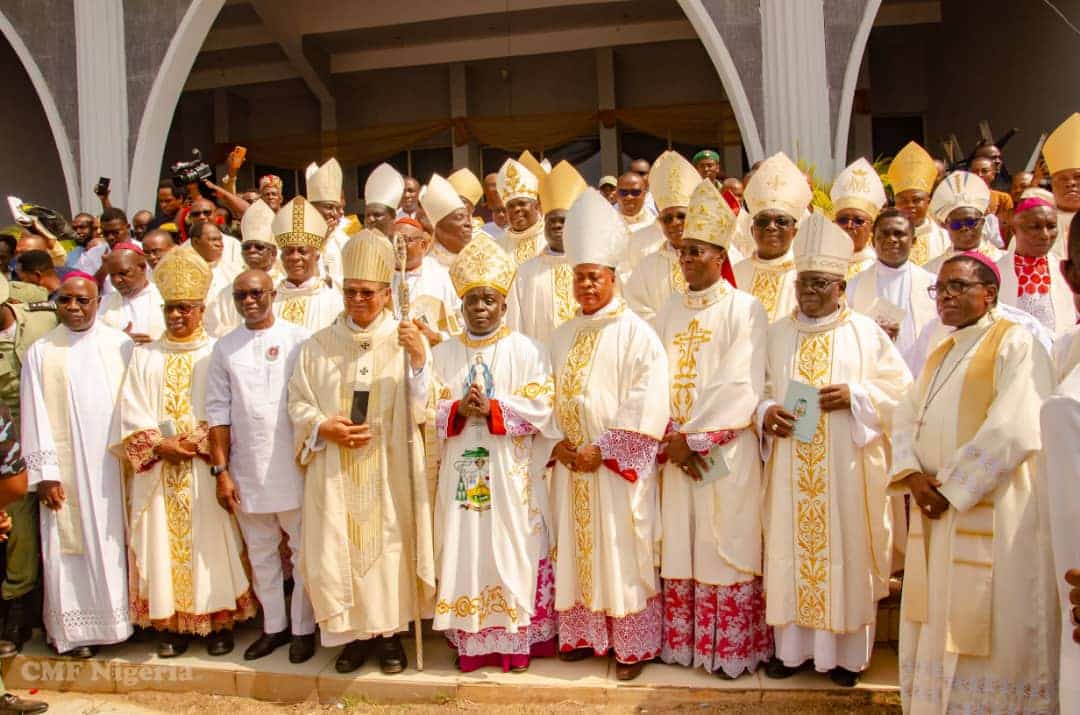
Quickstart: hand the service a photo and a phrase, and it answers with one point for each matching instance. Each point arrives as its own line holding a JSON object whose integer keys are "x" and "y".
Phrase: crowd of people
{"x": 680, "y": 417}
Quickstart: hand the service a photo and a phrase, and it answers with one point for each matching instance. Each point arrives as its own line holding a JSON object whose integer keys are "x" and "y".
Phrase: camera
{"x": 194, "y": 171}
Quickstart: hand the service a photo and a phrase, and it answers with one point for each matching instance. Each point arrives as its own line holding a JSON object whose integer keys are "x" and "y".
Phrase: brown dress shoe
{"x": 14, "y": 705}
{"x": 628, "y": 671}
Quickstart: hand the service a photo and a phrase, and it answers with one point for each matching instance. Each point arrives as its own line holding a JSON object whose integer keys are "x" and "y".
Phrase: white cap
{"x": 324, "y": 184}
{"x": 960, "y": 189}
{"x": 821, "y": 245}
{"x": 255, "y": 224}
{"x": 594, "y": 232}
{"x": 384, "y": 186}
{"x": 439, "y": 199}
{"x": 858, "y": 187}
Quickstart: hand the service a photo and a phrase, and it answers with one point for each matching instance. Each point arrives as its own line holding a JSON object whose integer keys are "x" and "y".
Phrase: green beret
{"x": 705, "y": 154}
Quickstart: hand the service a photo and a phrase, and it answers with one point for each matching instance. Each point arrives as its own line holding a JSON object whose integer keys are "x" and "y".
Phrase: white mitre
{"x": 594, "y": 232}
{"x": 325, "y": 183}
{"x": 440, "y": 199}
{"x": 384, "y": 186}
{"x": 778, "y": 184}
{"x": 822, "y": 246}
{"x": 255, "y": 224}
{"x": 672, "y": 179}
{"x": 858, "y": 187}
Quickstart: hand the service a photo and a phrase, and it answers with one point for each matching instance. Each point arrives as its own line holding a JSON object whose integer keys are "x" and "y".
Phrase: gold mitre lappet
{"x": 858, "y": 187}
{"x": 821, "y": 245}
{"x": 467, "y": 185}
{"x": 912, "y": 168}
{"x": 595, "y": 232}
{"x": 960, "y": 189}
{"x": 1062, "y": 148}
{"x": 324, "y": 184}
{"x": 709, "y": 218}
{"x": 516, "y": 182}
{"x": 672, "y": 179}
{"x": 368, "y": 256}
{"x": 439, "y": 199}
{"x": 257, "y": 223}
{"x": 560, "y": 187}
{"x": 536, "y": 167}
{"x": 298, "y": 223}
{"x": 183, "y": 275}
{"x": 384, "y": 186}
{"x": 778, "y": 185}
{"x": 482, "y": 264}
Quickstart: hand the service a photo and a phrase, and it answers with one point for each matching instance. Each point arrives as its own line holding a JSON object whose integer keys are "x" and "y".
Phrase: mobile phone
{"x": 358, "y": 413}
{"x": 102, "y": 185}
{"x": 241, "y": 151}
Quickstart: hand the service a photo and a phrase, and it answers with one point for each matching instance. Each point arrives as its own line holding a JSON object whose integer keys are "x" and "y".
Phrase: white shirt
{"x": 247, "y": 390}
{"x": 143, "y": 311}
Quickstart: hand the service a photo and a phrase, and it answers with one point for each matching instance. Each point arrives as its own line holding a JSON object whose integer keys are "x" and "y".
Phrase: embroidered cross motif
{"x": 776, "y": 182}
{"x": 363, "y": 371}
{"x": 685, "y": 380}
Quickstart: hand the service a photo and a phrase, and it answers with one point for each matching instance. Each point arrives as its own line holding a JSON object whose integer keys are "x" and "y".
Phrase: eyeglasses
{"x": 964, "y": 223}
{"x": 764, "y": 222}
{"x": 818, "y": 285}
{"x": 184, "y": 309}
{"x": 667, "y": 219}
{"x": 365, "y": 295}
{"x": 199, "y": 213}
{"x": 241, "y": 295}
{"x": 630, "y": 192}
{"x": 951, "y": 289}
{"x": 856, "y": 221}
{"x": 71, "y": 299}
{"x": 692, "y": 251}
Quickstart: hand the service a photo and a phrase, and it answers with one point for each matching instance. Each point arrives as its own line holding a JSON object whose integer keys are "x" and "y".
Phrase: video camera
{"x": 195, "y": 171}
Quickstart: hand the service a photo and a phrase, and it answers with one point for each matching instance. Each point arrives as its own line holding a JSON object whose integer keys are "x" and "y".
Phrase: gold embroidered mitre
{"x": 858, "y": 187}
{"x": 561, "y": 187}
{"x": 672, "y": 179}
{"x": 298, "y": 223}
{"x": 368, "y": 256}
{"x": 709, "y": 218}
{"x": 467, "y": 185}
{"x": 1062, "y": 148}
{"x": 960, "y": 189}
{"x": 439, "y": 199}
{"x": 384, "y": 186}
{"x": 482, "y": 263}
{"x": 912, "y": 168}
{"x": 183, "y": 275}
{"x": 516, "y": 182}
{"x": 257, "y": 223}
{"x": 821, "y": 245}
{"x": 535, "y": 167}
{"x": 324, "y": 184}
{"x": 778, "y": 185}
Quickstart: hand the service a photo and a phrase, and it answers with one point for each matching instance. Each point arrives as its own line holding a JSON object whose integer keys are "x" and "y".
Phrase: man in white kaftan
{"x": 135, "y": 306}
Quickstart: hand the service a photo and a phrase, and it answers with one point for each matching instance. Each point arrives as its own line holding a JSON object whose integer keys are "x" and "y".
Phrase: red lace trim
{"x": 1032, "y": 274}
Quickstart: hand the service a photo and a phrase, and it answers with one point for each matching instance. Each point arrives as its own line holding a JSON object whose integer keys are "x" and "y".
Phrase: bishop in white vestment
{"x": 303, "y": 297}
{"x": 519, "y": 190}
{"x": 433, "y": 305}
{"x": 960, "y": 203}
{"x": 135, "y": 306}
{"x": 857, "y": 196}
{"x": 260, "y": 252}
{"x": 1062, "y": 153}
{"x": 912, "y": 175}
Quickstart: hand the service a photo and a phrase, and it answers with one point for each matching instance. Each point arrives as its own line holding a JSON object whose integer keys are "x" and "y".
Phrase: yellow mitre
{"x": 912, "y": 168}
{"x": 467, "y": 185}
{"x": 368, "y": 256}
{"x": 858, "y": 187}
{"x": 515, "y": 181}
{"x": 709, "y": 218}
{"x": 960, "y": 189}
{"x": 821, "y": 245}
{"x": 482, "y": 264}
{"x": 1062, "y": 148}
{"x": 298, "y": 223}
{"x": 530, "y": 162}
{"x": 672, "y": 179}
{"x": 257, "y": 223}
{"x": 561, "y": 187}
{"x": 183, "y": 275}
{"x": 324, "y": 184}
{"x": 778, "y": 185}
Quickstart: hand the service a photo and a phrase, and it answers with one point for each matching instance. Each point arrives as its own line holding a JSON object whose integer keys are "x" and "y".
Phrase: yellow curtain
{"x": 532, "y": 131}
{"x": 704, "y": 124}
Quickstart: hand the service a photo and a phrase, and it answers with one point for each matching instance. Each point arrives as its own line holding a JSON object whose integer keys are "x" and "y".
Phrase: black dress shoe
{"x": 776, "y": 669}
{"x": 352, "y": 656}
{"x": 14, "y": 705}
{"x": 266, "y": 644}
{"x": 843, "y": 677}
{"x": 391, "y": 655}
{"x": 219, "y": 642}
{"x": 171, "y": 645}
{"x": 572, "y": 656}
{"x": 301, "y": 648}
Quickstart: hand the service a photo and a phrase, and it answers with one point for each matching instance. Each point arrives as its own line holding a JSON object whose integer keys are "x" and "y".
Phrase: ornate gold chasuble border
{"x": 562, "y": 284}
{"x": 177, "y": 481}
{"x": 810, "y": 491}
{"x": 678, "y": 280}
{"x": 766, "y": 288}
{"x": 294, "y": 310}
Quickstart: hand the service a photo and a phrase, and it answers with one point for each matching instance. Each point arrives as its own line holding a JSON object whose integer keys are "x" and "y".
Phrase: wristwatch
{"x": 217, "y": 469}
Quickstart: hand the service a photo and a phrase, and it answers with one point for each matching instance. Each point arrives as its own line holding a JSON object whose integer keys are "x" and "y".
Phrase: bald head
{"x": 127, "y": 271}
{"x": 76, "y": 303}
{"x": 30, "y": 242}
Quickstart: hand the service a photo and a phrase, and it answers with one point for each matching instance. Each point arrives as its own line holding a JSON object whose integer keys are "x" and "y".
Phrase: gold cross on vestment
{"x": 776, "y": 182}
{"x": 688, "y": 342}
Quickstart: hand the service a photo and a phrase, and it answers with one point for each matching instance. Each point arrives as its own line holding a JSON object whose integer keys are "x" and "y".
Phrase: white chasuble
{"x": 826, "y": 509}
{"x": 611, "y": 390}
{"x": 312, "y": 305}
{"x": 643, "y": 242}
{"x": 979, "y": 618}
{"x": 1066, "y": 353}
{"x": 432, "y": 298}
{"x": 906, "y": 288}
{"x": 541, "y": 297}
{"x": 715, "y": 342}
{"x": 771, "y": 281}
{"x": 657, "y": 277}
{"x": 186, "y": 550}
{"x": 523, "y": 245}
{"x": 491, "y": 510}
{"x": 366, "y": 552}
{"x": 931, "y": 240}
{"x": 143, "y": 312}
{"x": 68, "y": 424}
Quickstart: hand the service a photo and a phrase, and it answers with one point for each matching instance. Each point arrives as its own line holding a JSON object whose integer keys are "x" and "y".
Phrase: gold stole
{"x": 766, "y": 284}
{"x": 678, "y": 280}
{"x": 562, "y": 291}
{"x": 968, "y": 624}
{"x": 176, "y": 479}
{"x": 294, "y": 310}
{"x": 920, "y": 247}
{"x": 524, "y": 243}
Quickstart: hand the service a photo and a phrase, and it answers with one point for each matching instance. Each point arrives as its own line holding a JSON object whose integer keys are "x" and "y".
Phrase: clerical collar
{"x": 80, "y": 334}
{"x": 637, "y": 218}
{"x": 309, "y": 283}
{"x": 371, "y": 326}
{"x": 887, "y": 269}
{"x": 807, "y": 324}
{"x": 476, "y": 342}
{"x": 140, "y": 294}
{"x": 530, "y": 232}
{"x": 613, "y": 308}
{"x": 709, "y": 296}
{"x": 554, "y": 254}
{"x": 785, "y": 262}
{"x": 192, "y": 342}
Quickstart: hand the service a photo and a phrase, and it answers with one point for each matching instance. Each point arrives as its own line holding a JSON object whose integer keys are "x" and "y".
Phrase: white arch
{"x": 164, "y": 94}
{"x": 63, "y": 144}
{"x": 729, "y": 76}
{"x": 851, "y": 78}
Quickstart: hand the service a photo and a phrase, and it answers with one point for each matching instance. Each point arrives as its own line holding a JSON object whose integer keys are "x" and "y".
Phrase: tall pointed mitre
{"x": 912, "y": 168}
{"x": 183, "y": 275}
{"x": 467, "y": 186}
{"x": 709, "y": 218}
{"x": 514, "y": 181}
{"x": 368, "y": 256}
{"x": 384, "y": 186}
{"x": 257, "y": 223}
{"x": 298, "y": 223}
{"x": 858, "y": 187}
{"x": 530, "y": 162}
{"x": 1062, "y": 148}
{"x": 778, "y": 185}
{"x": 309, "y": 170}
{"x": 325, "y": 183}
{"x": 672, "y": 179}
{"x": 439, "y": 199}
{"x": 821, "y": 245}
{"x": 960, "y": 189}
{"x": 561, "y": 187}
{"x": 594, "y": 231}
{"x": 482, "y": 264}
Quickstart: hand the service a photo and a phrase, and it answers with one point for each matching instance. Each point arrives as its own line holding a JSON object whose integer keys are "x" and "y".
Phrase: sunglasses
{"x": 818, "y": 285}
{"x": 668, "y": 219}
{"x": 240, "y": 295}
{"x": 964, "y": 223}
{"x": 630, "y": 192}
{"x": 856, "y": 221}
{"x": 764, "y": 222}
{"x": 70, "y": 299}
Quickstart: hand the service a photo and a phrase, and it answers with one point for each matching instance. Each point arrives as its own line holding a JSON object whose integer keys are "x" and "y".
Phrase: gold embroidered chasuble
{"x": 861, "y": 261}
{"x": 523, "y": 245}
{"x": 653, "y": 282}
{"x": 771, "y": 281}
{"x": 610, "y": 374}
{"x": 931, "y": 240}
{"x": 367, "y": 535}
{"x": 978, "y": 619}
{"x": 186, "y": 551}
{"x": 541, "y": 297}
{"x": 715, "y": 342}
{"x": 825, "y": 501}
{"x": 313, "y": 305}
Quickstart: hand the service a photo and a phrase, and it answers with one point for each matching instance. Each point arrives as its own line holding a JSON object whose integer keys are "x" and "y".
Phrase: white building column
{"x": 605, "y": 99}
{"x": 101, "y": 72}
